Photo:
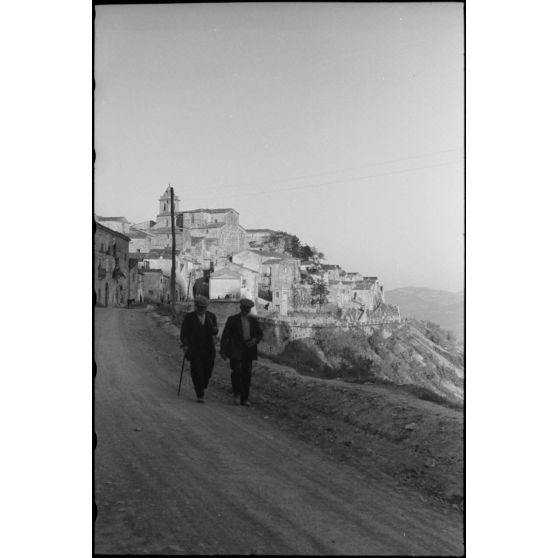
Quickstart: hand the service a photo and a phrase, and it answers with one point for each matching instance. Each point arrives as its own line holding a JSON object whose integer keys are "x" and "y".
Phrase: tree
{"x": 294, "y": 246}
{"x": 319, "y": 293}
{"x": 306, "y": 252}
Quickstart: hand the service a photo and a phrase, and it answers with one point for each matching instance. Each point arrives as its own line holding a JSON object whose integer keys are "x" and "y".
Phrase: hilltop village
{"x": 217, "y": 257}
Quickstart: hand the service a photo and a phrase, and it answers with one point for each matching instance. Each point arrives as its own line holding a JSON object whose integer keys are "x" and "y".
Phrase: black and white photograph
{"x": 279, "y": 278}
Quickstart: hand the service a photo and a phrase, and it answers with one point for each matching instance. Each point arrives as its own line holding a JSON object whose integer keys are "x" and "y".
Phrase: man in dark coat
{"x": 239, "y": 342}
{"x": 198, "y": 336}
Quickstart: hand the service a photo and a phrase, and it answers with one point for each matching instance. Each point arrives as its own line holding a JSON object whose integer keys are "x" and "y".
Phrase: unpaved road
{"x": 173, "y": 476}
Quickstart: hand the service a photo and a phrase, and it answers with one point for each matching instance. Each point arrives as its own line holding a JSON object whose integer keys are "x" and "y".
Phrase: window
{"x": 150, "y": 292}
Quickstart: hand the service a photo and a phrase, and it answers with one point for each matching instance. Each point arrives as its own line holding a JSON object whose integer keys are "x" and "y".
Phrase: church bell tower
{"x": 164, "y": 216}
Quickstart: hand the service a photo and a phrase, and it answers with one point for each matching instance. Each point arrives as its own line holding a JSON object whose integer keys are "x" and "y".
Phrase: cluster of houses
{"x": 215, "y": 256}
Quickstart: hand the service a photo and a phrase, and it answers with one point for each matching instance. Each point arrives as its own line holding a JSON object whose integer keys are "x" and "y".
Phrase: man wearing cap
{"x": 198, "y": 336}
{"x": 239, "y": 342}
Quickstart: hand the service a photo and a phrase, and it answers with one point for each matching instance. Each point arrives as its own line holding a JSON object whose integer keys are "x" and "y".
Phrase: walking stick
{"x": 181, "y": 373}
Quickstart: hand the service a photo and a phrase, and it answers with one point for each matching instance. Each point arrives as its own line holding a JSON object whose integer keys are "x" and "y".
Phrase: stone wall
{"x": 280, "y": 331}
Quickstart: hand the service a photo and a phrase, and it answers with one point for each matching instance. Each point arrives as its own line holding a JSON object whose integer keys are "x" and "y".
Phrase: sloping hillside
{"x": 441, "y": 307}
{"x": 417, "y": 356}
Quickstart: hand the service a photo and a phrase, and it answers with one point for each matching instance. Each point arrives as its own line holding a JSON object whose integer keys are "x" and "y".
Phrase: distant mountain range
{"x": 441, "y": 307}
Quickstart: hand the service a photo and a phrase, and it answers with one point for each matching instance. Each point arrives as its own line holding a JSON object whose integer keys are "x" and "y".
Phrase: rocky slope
{"x": 420, "y": 357}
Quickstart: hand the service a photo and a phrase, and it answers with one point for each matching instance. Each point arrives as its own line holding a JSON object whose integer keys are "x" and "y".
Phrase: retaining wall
{"x": 280, "y": 331}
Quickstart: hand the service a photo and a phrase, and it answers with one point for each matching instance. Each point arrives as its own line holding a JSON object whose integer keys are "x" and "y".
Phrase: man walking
{"x": 198, "y": 336}
{"x": 239, "y": 342}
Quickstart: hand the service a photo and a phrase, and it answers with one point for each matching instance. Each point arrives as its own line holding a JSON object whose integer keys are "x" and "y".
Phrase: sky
{"x": 340, "y": 123}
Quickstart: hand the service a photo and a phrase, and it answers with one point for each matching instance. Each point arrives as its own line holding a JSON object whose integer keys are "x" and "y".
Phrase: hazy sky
{"x": 340, "y": 123}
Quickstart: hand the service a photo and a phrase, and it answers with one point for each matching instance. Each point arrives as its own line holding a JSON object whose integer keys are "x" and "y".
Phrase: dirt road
{"x": 173, "y": 476}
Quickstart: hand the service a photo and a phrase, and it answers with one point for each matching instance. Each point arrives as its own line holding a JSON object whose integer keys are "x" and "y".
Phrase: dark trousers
{"x": 201, "y": 367}
{"x": 241, "y": 376}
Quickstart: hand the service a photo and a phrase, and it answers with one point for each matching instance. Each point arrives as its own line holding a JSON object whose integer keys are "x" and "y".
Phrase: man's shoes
{"x": 236, "y": 400}
{"x": 200, "y": 400}
{"x": 245, "y": 403}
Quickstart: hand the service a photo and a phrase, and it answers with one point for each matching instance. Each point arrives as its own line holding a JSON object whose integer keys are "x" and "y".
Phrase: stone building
{"x": 140, "y": 241}
{"x": 284, "y": 274}
{"x": 135, "y": 293}
{"x": 155, "y": 286}
{"x": 111, "y": 266}
{"x": 340, "y": 292}
{"x": 248, "y": 279}
{"x": 353, "y": 276}
{"x": 258, "y": 237}
{"x": 227, "y": 239}
{"x": 263, "y": 262}
{"x": 119, "y": 224}
{"x": 186, "y": 269}
{"x": 368, "y": 293}
{"x": 144, "y": 225}
{"x": 220, "y": 227}
{"x": 259, "y": 260}
{"x": 164, "y": 216}
{"x": 200, "y": 217}
{"x": 331, "y": 272}
{"x": 161, "y": 231}
{"x": 224, "y": 284}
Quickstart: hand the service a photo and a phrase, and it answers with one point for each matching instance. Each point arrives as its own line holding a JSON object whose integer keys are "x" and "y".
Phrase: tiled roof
{"x": 134, "y": 233}
{"x": 150, "y": 224}
{"x": 121, "y": 219}
{"x": 241, "y": 268}
{"x": 225, "y": 272}
{"x": 259, "y": 231}
{"x": 278, "y": 260}
{"x": 110, "y": 231}
{"x": 268, "y": 254}
{"x": 201, "y": 210}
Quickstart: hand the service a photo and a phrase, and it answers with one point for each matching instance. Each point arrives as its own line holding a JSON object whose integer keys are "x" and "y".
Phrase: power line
{"x": 344, "y": 180}
{"x": 343, "y": 169}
